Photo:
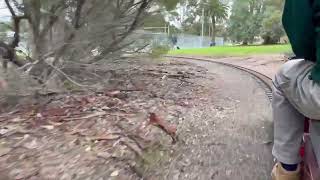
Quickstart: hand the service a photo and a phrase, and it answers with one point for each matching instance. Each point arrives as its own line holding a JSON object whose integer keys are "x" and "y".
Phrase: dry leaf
{"x": 48, "y": 127}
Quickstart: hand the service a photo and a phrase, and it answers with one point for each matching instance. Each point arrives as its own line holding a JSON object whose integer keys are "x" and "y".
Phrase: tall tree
{"x": 272, "y": 29}
{"x": 245, "y": 20}
{"x": 215, "y": 11}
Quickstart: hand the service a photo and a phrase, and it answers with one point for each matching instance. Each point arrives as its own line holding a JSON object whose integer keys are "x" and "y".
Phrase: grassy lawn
{"x": 222, "y": 51}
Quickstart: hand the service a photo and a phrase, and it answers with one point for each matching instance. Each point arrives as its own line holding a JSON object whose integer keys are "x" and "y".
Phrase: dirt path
{"x": 223, "y": 121}
{"x": 228, "y": 135}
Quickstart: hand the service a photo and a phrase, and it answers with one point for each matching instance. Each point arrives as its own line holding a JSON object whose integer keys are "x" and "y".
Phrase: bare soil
{"x": 219, "y": 117}
{"x": 229, "y": 134}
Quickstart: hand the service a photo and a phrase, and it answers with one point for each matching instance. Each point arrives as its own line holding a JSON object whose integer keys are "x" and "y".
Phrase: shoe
{"x": 279, "y": 173}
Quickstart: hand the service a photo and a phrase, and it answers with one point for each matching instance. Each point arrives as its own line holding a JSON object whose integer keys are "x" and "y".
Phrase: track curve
{"x": 264, "y": 81}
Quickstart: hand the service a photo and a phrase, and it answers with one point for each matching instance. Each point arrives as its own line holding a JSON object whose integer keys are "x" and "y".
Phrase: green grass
{"x": 224, "y": 51}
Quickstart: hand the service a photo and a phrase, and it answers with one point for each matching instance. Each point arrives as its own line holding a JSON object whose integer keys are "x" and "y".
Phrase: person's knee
{"x": 280, "y": 77}
{"x": 287, "y": 71}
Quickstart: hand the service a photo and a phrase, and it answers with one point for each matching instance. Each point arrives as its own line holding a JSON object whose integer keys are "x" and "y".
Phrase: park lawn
{"x": 223, "y": 51}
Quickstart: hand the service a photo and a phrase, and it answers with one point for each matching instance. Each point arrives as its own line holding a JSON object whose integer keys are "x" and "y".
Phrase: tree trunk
{"x": 213, "y": 25}
{"x": 39, "y": 42}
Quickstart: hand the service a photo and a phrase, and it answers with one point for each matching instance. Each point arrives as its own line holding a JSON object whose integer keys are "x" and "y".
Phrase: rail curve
{"x": 264, "y": 81}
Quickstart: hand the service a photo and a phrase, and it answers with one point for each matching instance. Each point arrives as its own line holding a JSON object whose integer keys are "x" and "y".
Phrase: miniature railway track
{"x": 264, "y": 81}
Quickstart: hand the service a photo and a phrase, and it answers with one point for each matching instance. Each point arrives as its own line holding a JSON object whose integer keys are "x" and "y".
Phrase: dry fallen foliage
{"x": 103, "y": 133}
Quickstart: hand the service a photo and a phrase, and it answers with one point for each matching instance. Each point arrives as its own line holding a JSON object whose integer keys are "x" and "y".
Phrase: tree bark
{"x": 32, "y": 9}
{"x": 8, "y": 51}
{"x": 213, "y": 24}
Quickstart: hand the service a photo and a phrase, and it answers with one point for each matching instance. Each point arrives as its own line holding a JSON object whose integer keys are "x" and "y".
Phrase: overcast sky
{"x": 4, "y": 12}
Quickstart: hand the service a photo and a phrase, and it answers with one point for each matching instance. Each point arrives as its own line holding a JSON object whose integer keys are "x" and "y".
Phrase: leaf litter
{"x": 125, "y": 130}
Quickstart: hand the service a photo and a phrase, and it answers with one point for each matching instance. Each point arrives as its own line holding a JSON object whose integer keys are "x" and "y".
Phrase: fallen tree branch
{"x": 66, "y": 76}
{"x": 169, "y": 129}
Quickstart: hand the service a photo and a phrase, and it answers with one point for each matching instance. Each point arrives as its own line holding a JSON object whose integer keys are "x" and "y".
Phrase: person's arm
{"x": 315, "y": 73}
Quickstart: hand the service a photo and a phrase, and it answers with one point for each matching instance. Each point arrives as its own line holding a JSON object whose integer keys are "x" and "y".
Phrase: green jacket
{"x": 301, "y": 20}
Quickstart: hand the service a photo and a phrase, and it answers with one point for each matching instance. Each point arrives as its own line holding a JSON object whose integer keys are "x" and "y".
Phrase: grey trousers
{"x": 295, "y": 97}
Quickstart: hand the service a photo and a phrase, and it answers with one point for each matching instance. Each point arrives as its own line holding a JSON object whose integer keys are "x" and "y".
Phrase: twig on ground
{"x": 86, "y": 117}
{"x": 165, "y": 126}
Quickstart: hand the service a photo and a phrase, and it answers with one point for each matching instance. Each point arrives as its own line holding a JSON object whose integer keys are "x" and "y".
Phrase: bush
{"x": 159, "y": 50}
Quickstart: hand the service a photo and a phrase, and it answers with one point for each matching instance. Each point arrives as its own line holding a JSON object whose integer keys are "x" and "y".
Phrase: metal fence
{"x": 184, "y": 41}
{"x": 192, "y": 41}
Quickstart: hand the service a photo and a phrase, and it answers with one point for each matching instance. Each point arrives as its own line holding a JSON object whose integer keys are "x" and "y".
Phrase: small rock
{"x": 164, "y": 77}
{"x": 114, "y": 173}
{"x": 4, "y": 131}
{"x": 88, "y": 149}
{"x": 39, "y": 115}
{"x": 26, "y": 136}
{"x": 31, "y": 145}
{"x": 48, "y": 127}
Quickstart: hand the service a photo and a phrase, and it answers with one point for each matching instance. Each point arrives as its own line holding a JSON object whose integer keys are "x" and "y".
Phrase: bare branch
{"x": 66, "y": 76}
{"x": 77, "y": 17}
{"x": 10, "y": 49}
{"x": 135, "y": 23}
{"x": 10, "y": 8}
{"x": 53, "y": 17}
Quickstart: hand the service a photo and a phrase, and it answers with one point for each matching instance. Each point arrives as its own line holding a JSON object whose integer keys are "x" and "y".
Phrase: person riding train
{"x": 296, "y": 87}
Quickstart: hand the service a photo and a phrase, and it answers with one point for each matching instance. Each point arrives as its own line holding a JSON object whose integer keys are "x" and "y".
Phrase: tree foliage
{"x": 215, "y": 11}
{"x": 272, "y": 29}
{"x": 4, "y": 28}
{"x": 252, "y": 19}
{"x": 169, "y": 4}
{"x": 245, "y": 20}
{"x": 65, "y": 31}
{"x": 242, "y": 21}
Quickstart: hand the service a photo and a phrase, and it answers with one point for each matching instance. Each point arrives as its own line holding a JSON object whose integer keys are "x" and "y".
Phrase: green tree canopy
{"x": 215, "y": 11}
{"x": 245, "y": 20}
{"x": 169, "y": 4}
{"x": 272, "y": 29}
